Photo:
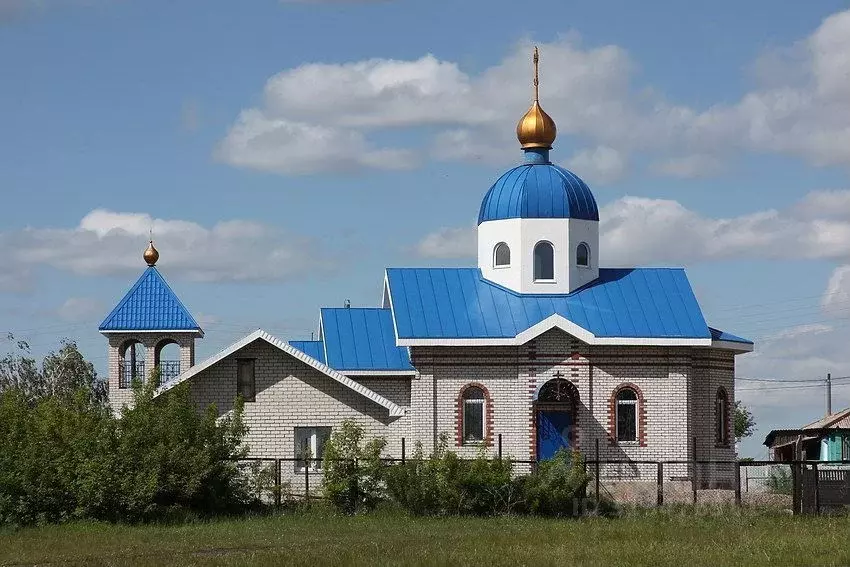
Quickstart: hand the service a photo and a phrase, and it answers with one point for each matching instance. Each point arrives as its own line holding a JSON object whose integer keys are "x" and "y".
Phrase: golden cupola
{"x": 536, "y": 129}
{"x": 151, "y": 255}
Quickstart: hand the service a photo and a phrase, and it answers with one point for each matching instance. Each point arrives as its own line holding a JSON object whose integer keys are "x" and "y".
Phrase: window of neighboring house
{"x": 583, "y": 255}
{"x": 627, "y": 415}
{"x": 502, "y": 255}
{"x": 473, "y": 414}
{"x": 845, "y": 449}
{"x": 309, "y": 445}
{"x": 544, "y": 261}
{"x": 246, "y": 383}
{"x": 721, "y": 412}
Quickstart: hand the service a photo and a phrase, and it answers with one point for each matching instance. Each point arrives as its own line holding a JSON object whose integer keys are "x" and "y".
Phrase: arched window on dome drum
{"x": 502, "y": 255}
{"x": 544, "y": 261}
{"x": 627, "y": 415}
{"x": 583, "y": 254}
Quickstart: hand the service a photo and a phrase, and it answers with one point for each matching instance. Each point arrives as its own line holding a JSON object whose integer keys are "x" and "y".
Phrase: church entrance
{"x": 555, "y": 411}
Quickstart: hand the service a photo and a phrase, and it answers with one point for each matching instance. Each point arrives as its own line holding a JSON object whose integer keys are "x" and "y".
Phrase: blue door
{"x": 553, "y": 432}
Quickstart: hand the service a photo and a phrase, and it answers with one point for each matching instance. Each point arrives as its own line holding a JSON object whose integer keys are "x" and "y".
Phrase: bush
{"x": 558, "y": 488}
{"x": 445, "y": 484}
{"x": 57, "y": 458}
{"x": 64, "y": 457}
{"x": 352, "y": 471}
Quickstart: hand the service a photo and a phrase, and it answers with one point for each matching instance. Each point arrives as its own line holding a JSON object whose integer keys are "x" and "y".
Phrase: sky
{"x": 284, "y": 153}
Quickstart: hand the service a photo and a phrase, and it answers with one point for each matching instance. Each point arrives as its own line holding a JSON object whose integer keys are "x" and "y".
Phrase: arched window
{"x": 167, "y": 359}
{"x": 544, "y": 261}
{"x": 131, "y": 363}
{"x": 583, "y": 254}
{"x": 473, "y": 401}
{"x": 627, "y": 415}
{"x": 501, "y": 255}
{"x": 721, "y": 417}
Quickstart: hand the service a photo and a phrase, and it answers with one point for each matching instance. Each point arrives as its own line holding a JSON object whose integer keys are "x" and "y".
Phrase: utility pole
{"x": 829, "y": 394}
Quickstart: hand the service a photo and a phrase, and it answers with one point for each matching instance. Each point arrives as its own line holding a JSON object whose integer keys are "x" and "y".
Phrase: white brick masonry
{"x": 677, "y": 387}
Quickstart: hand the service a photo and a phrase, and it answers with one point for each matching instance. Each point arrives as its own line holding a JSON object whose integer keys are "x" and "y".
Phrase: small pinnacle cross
{"x": 536, "y": 82}
{"x": 558, "y": 374}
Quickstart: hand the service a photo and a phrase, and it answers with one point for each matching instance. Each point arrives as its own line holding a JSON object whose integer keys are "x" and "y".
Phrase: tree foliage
{"x": 65, "y": 455}
{"x": 61, "y": 374}
{"x": 745, "y": 423}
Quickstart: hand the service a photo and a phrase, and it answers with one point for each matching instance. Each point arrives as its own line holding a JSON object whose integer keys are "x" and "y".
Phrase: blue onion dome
{"x": 538, "y": 189}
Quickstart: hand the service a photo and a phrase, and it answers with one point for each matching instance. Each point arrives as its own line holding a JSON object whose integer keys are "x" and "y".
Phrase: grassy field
{"x": 316, "y": 538}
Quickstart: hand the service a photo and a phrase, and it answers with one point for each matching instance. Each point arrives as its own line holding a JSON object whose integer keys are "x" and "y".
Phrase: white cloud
{"x": 837, "y": 294}
{"x": 601, "y": 164}
{"x": 638, "y": 231}
{"x": 80, "y": 309}
{"x": 448, "y": 243}
{"x": 694, "y": 165}
{"x": 107, "y": 242}
{"x": 798, "y": 108}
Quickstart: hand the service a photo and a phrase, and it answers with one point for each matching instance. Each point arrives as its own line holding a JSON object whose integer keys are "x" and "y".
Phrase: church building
{"x": 535, "y": 348}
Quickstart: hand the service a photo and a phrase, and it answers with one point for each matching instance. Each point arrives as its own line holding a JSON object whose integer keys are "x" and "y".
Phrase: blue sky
{"x": 284, "y": 153}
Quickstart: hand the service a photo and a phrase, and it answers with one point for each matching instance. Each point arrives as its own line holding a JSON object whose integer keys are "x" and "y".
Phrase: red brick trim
{"x": 728, "y": 426}
{"x": 641, "y": 414}
{"x": 488, "y": 415}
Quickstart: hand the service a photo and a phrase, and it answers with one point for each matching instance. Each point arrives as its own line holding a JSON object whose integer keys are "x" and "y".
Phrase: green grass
{"x": 672, "y": 537}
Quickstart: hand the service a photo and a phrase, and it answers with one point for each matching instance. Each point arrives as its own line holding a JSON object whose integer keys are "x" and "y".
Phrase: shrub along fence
{"x": 802, "y": 486}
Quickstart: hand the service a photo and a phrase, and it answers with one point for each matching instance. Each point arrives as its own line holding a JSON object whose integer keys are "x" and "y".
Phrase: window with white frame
{"x": 845, "y": 448}
{"x": 501, "y": 255}
{"x": 473, "y": 414}
{"x": 721, "y": 417}
{"x": 309, "y": 446}
{"x": 246, "y": 383}
{"x": 583, "y": 255}
{"x": 627, "y": 415}
{"x": 544, "y": 261}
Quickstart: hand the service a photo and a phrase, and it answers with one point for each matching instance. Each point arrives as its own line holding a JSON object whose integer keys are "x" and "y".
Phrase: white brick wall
{"x": 678, "y": 386}
{"x": 120, "y": 397}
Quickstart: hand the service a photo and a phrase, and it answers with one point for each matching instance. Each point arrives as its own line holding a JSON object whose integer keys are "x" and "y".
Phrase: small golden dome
{"x": 536, "y": 129}
{"x": 151, "y": 254}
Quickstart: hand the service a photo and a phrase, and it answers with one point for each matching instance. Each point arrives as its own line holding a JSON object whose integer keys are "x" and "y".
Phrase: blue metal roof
{"x": 362, "y": 339}
{"x": 459, "y": 303}
{"x": 150, "y": 305}
{"x": 718, "y": 335}
{"x": 316, "y": 349}
{"x": 540, "y": 190}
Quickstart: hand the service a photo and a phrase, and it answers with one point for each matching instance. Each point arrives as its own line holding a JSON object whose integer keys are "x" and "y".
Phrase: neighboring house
{"x": 537, "y": 346}
{"x": 827, "y": 439}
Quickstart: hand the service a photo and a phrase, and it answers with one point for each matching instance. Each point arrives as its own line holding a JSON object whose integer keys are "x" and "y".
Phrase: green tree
{"x": 745, "y": 423}
{"x": 62, "y": 374}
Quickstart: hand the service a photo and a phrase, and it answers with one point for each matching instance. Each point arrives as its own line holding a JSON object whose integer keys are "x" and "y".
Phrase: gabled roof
{"x": 150, "y": 305}
{"x": 839, "y": 419}
{"x": 394, "y": 409}
{"x": 362, "y": 340}
{"x": 640, "y": 306}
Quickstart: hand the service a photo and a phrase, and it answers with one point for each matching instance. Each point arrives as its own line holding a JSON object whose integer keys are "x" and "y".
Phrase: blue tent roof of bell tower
{"x": 150, "y": 305}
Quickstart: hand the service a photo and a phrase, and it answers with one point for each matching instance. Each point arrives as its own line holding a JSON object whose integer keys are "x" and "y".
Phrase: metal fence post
{"x": 402, "y": 450}
{"x": 596, "y": 469}
{"x": 694, "y": 468}
{"x": 660, "y": 484}
{"x": 500, "y": 446}
{"x": 277, "y": 488}
{"x": 307, "y": 479}
{"x": 795, "y": 488}
{"x": 737, "y": 483}
{"x": 817, "y": 488}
